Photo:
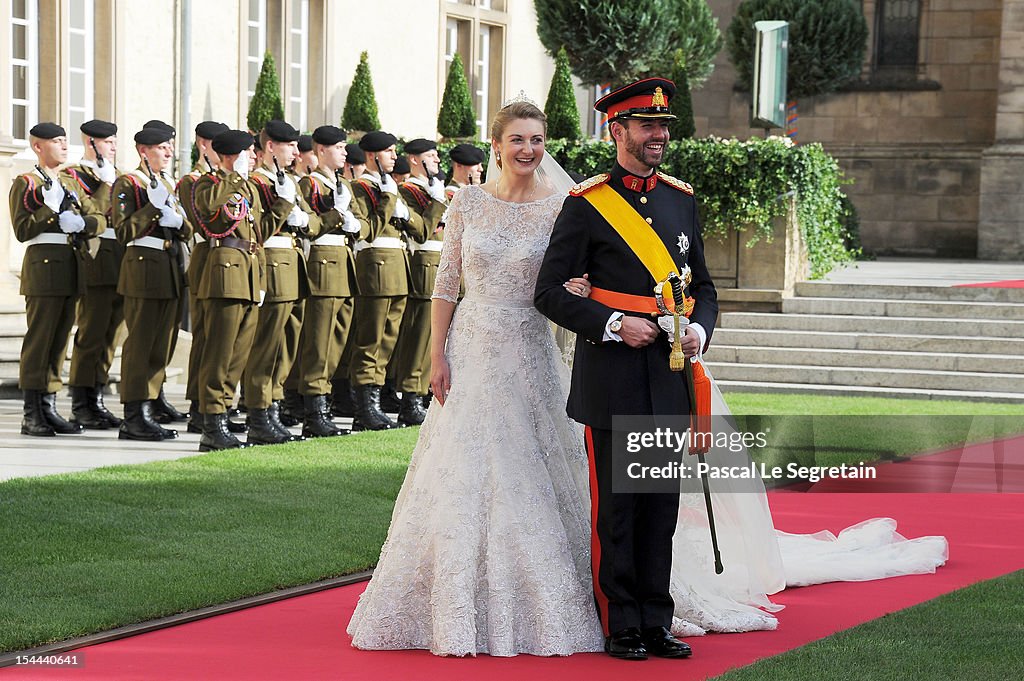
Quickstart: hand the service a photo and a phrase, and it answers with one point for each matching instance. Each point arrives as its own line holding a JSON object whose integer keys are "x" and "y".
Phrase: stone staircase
{"x": 928, "y": 342}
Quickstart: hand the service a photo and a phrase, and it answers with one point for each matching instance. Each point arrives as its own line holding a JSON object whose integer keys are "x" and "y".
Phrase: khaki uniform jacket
{"x": 48, "y": 269}
{"x": 286, "y": 278}
{"x": 146, "y": 272}
{"x": 332, "y": 269}
{"x": 103, "y": 268}
{"x": 383, "y": 271}
{"x": 423, "y": 263}
{"x": 227, "y": 206}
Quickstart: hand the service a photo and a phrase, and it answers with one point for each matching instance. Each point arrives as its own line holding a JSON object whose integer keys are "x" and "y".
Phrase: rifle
{"x": 170, "y": 235}
{"x": 68, "y": 202}
{"x": 339, "y": 174}
{"x": 380, "y": 168}
{"x": 99, "y": 159}
{"x": 280, "y": 173}
{"x": 208, "y": 164}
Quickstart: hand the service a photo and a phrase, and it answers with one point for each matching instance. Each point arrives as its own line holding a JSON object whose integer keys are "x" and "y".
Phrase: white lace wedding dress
{"x": 489, "y": 545}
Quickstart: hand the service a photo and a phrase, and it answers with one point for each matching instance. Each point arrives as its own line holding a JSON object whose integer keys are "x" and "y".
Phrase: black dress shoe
{"x": 626, "y": 644}
{"x": 660, "y": 642}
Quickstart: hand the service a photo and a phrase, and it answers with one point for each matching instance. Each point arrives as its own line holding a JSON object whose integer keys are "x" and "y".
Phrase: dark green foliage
{"x": 612, "y": 42}
{"x": 456, "y": 118}
{"x": 361, "y": 104}
{"x": 827, "y": 39}
{"x": 563, "y": 116}
{"x": 698, "y": 36}
{"x": 681, "y": 105}
{"x": 266, "y": 104}
{"x": 195, "y": 154}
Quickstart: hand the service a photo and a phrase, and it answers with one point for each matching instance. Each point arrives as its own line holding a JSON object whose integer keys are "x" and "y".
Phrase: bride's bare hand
{"x": 578, "y": 286}
{"x": 440, "y": 379}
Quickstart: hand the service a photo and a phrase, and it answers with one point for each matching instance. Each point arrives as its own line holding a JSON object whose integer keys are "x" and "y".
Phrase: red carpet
{"x": 303, "y": 638}
{"x": 1009, "y": 283}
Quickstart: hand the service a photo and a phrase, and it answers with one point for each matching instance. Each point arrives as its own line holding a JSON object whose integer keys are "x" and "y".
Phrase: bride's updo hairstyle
{"x": 514, "y": 112}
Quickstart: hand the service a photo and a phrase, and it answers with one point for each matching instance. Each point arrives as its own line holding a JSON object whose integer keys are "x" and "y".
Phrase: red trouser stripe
{"x": 595, "y": 540}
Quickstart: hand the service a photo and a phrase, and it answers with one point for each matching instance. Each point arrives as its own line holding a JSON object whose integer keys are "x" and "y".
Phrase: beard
{"x": 637, "y": 150}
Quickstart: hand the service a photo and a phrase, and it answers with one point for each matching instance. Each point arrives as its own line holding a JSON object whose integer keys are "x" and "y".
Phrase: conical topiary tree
{"x": 266, "y": 104}
{"x": 361, "y": 104}
{"x": 681, "y": 105}
{"x": 456, "y": 117}
{"x": 563, "y": 116}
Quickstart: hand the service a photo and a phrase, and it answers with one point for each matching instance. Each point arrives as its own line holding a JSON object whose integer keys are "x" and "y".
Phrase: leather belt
{"x": 49, "y": 238}
{"x": 279, "y": 241}
{"x": 151, "y": 242}
{"x": 240, "y": 244}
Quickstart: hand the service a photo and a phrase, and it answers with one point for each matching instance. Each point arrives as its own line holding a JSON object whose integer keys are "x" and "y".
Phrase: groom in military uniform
{"x": 629, "y": 229}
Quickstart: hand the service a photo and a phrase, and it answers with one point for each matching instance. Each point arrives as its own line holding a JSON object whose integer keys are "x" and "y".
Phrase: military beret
{"x": 160, "y": 125}
{"x": 419, "y": 146}
{"x": 466, "y": 154}
{"x": 99, "y": 129}
{"x": 47, "y": 131}
{"x": 328, "y": 135}
{"x": 378, "y": 140}
{"x": 231, "y": 142}
{"x": 305, "y": 143}
{"x": 355, "y": 155}
{"x": 402, "y": 166}
{"x": 210, "y": 129}
{"x": 279, "y": 131}
{"x": 152, "y": 136}
{"x": 647, "y": 98}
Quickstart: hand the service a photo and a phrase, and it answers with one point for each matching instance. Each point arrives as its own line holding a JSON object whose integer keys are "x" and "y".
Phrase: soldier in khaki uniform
{"x": 230, "y": 286}
{"x": 425, "y": 196}
{"x": 45, "y": 217}
{"x": 332, "y": 279}
{"x": 306, "y": 162}
{"x": 467, "y": 167}
{"x": 101, "y": 308}
{"x": 207, "y": 162}
{"x": 382, "y": 267}
{"x": 151, "y": 223}
{"x": 287, "y": 220}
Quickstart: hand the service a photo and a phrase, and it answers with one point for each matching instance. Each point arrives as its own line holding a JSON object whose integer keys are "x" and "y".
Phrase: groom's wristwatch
{"x": 616, "y": 325}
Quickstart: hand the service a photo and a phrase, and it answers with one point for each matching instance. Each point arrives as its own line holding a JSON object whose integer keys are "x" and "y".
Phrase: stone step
{"x": 822, "y": 390}
{"x": 905, "y": 308}
{"x": 824, "y": 289}
{"x": 863, "y": 324}
{"x": 871, "y": 377}
{"x": 867, "y": 341}
{"x": 855, "y": 359}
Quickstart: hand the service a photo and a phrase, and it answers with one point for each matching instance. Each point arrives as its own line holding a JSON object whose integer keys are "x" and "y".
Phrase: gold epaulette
{"x": 678, "y": 184}
{"x": 585, "y": 186}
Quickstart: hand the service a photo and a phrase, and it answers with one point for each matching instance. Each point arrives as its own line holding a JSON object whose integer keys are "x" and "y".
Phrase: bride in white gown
{"x": 489, "y": 545}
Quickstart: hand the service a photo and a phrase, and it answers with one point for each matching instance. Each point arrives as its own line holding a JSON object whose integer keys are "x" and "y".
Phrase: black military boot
{"x": 261, "y": 430}
{"x": 164, "y": 411}
{"x": 195, "y": 418}
{"x": 427, "y": 399}
{"x": 368, "y": 413}
{"x": 389, "y": 402}
{"x": 236, "y": 422}
{"x": 412, "y": 412}
{"x": 293, "y": 409}
{"x": 342, "y": 403}
{"x": 149, "y": 409}
{"x": 34, "y": 422}
{"x": 101, "y": 410}
{"x": 317, "y": 422}
{"x": 137, "y": 425}
{"x": 216, "y": 435}
{"x": 274, "y": 416}
{"x": 59, "y": 424}
{"x": 82, "y": 409}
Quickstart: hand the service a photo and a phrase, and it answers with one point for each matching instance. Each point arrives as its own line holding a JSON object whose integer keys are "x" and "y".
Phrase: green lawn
{"x": 91, "y": 551}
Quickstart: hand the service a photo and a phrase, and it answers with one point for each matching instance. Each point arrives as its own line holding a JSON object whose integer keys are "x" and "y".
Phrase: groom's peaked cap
{"x": 645, "y": 99}
{"x": 467, "y": 154}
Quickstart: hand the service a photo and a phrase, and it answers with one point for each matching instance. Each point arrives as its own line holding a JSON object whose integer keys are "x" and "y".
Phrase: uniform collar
{"x": 633, "y": 183}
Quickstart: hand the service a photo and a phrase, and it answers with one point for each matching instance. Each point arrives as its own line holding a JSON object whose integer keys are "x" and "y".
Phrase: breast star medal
{"x": 684, "y": 244}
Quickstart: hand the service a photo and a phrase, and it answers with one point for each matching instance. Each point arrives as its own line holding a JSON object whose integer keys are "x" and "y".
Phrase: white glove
{"x": 263, "y": 295}
{"x": 401, "y": 210}
{"x": 669, "y": 326}
{"x": 387, "y": 184}
{"x": 436, "y": 190}
{"x": 342, "y": 199}
{"x": 71, "y": 223}
{"x": 349, "y": 225}
{"x": 286, "y": 190}
{"x": 106, "y": 172}
{"x": 170, "y": 218}
{"x": 157, "y": 195}
{"x": 297, "y": 218}
{"x": 53, "y": 196}
{"x": 241, "y": 164}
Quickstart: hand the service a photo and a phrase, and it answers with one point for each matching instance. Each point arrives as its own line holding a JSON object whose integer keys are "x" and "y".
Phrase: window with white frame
{"x": 256, "y": 28}
{"x": 481, "y": 47}
{"x": 24, "y": 34}
{"x": 298, "y": 62}
{"x": 81, "y": 37}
